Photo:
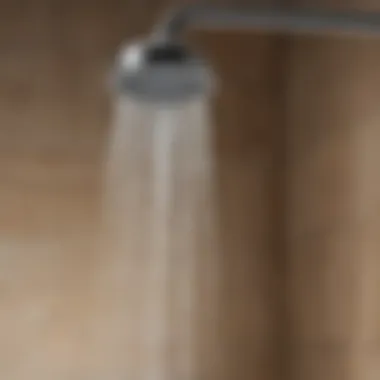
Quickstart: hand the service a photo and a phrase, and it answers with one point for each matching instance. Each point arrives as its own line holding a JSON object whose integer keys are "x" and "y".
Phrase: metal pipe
{"x": 281, "y": 20}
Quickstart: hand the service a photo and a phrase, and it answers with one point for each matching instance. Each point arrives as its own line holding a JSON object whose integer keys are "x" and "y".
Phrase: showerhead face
{"x": 161, "y": 72}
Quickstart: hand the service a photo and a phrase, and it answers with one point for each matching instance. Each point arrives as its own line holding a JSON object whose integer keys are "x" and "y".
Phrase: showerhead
{"x": 161, "y": 71}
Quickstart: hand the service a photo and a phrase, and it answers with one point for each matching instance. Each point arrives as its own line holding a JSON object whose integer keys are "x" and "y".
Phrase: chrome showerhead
{"x": 161, "y": 71}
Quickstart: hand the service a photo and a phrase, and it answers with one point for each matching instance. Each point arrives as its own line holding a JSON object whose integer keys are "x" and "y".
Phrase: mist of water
{"x": 159, "y": 210}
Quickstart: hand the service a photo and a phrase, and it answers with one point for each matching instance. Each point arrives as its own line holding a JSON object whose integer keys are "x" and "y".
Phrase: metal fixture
{"x": 280, "y": 20}
{"x": 163, "y": 69}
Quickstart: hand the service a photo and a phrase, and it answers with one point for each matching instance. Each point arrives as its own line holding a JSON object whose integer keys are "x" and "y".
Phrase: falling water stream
{"x": 159, "y": 210}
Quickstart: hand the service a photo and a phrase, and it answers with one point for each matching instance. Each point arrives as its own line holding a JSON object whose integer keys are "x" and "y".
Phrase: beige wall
{"x": 296, "y": 128}
{"x": 333, "y": 198}
{"x": 61, "y": 316}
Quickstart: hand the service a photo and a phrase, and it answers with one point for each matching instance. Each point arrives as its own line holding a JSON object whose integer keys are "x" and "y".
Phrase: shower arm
{"x": 161, "y": 67}
{"x": 176, "y": 22}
